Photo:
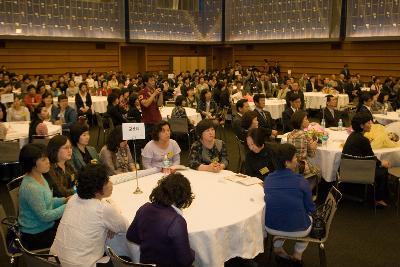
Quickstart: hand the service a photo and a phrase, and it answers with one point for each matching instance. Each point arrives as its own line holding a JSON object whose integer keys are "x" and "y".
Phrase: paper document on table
{"x": 127, "y": 176}
{"x": 243, "y": 179}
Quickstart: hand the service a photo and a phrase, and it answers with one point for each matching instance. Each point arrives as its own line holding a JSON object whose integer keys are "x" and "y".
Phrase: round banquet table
{"x": 316, "y": 100}
{"x": 20, "y": 130}
{"x": 190, "y": 112}
{"x": 388, "y": 118}
{"x": 99, "y": 103}
{"x": 274, "y": 106}
{"x": 328, "y": 156}
{"x": 225, "y": 220}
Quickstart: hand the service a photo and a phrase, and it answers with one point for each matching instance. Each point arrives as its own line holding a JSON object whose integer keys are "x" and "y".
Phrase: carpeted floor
{"x": 357, "y": 238}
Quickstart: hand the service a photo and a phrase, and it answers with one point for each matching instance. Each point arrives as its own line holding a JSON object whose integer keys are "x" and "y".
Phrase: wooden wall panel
{"x": 53, "y": 57}
{"x": 367, "y": 58}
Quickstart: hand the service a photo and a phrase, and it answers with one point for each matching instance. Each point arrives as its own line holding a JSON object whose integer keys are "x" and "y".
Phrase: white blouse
{"x": 82, "y": 232}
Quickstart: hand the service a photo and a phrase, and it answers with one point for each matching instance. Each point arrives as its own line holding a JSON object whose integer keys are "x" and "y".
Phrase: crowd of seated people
{"x": 69, "y": 165}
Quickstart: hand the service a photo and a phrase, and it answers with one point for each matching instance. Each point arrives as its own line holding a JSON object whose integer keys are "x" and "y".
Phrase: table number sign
{"x": 133, "y": 131}
{"x": 7, "y": 98}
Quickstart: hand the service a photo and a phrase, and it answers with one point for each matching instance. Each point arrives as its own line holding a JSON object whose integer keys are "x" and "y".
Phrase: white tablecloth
{"x": 225, "y": 220}
{"x": 20, "y": 130}
{"x": 274, "y": 106}
{"x": 328, "y": 157}
{"x": 99, "y": 103}
{"x": 387, "y": 119}
{"x": 316, "y": 100}
{"x": 190, "y": 112}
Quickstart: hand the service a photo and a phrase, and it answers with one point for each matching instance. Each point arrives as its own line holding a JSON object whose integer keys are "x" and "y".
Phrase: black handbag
{"x": 12, "y": 234}
{"x": 320, "y": 217}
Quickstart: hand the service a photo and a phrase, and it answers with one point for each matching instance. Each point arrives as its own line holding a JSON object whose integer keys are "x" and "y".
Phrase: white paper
{"x": 7, "y": 98}
{"x": 171, "y": 76}
{"x": 133, "y": 131}
{"x": 289, "y": 72}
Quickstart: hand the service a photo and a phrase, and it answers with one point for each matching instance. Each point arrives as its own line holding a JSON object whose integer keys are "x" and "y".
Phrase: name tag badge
{"x": 264, "y": 170}
{"x": 170, "y": 154}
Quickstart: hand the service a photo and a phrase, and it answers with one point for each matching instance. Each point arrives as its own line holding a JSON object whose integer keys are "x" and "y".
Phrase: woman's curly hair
{"x": 173, "y": 189}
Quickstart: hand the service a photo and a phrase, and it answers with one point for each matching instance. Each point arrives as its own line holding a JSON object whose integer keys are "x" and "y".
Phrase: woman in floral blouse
{"x": 208, "y": 153}
{"x": 305, "y": 145}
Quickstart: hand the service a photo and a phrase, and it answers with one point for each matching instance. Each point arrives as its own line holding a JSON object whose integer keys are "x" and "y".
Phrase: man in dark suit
{"x": 330, "y": 113}
{"x": 341, "y": 85}
{"x": 242, "y": 106}
{"x": 264, "y": 85}
{"x": 264, "y": 117}
{"x": 311, "y": 85}
{"x": 346, "y": 72}
{"x": 295, "y": 91}
{"x": 353, "y": 88}
{"x": 294, "y": 106}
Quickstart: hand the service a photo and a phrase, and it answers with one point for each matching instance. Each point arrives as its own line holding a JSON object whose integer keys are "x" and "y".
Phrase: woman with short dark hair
{"x": 37, "y": 126}
{"x": 115, "y": 154}
{"x": 38, "y": 209}
{"x": 113, "y": 109}
{"x": 288, "y": 203}
{"x": 357, "y": 146}
{"x": 249, "y": 121}
{"x": 161, "y": 146}
{"x": 208, "y": 153}
{"x": 258, "y": 161}
{"x": 159, "y": 227}
{"x": 88, "y": 220}
{"x": 61, "y": 176}
{"x": 83, "y": 102}
{"x": 82, "y": 153}
{"x": 134, "y": 112}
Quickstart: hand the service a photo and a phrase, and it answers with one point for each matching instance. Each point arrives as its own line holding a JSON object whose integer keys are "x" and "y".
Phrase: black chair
{"x": 180, "y": 126}
{"x": 13, "y": 192}
{"x": 36, "y": 259}
{"x": 119, "y": 262}
{"x": 10, "y": 152}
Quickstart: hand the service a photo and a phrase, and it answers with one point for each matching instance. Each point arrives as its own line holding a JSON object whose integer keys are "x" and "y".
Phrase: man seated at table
{"x": 264, "y": 117}
{"x": 353, "y": 88}
{"x": 295, "y": 90}
{"x": 330, "y": 112}
{"x": 64, "y": 115}
{"x": 208, "y": 153}
{"x": 242, "y": 106}
{"x": 295, "y": 103}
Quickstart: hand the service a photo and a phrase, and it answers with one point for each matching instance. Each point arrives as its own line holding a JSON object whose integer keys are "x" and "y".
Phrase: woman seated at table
{"x": 134, "y": 112}
{"x": 61, "y": 176}
{"x": 249, "y": 121}
{"x": 82, "y": 153}
{"x": 115, "y": 154}
{"x": 113, "y": 109}
{"x": 88, "y": 220}
{"x": 155, "y": 151}
{"x": 83, "y": 102}
{"x": 383, "y": 102}
{"x": 191, "y": 101}
{"x": 207, "y": 106}
{"x": 258, "y": 161}
{"x": 32, "y": 99}
{"x": 47, "y": 101}
{"x": 179, "y": 110}
{"x": 64, "y": 115}
{"x": 37, "y": 126}
{"x": 72, "y": 90}
{"x": 208, "y": 153}
{"x": 17, "y": 112}
{"x": 159, "y": 227}
{"x": 305, "y": 146}
{"x": 288, "y": 202}
{"x": 38, "y": 209}
{"x": 358, "y": 147}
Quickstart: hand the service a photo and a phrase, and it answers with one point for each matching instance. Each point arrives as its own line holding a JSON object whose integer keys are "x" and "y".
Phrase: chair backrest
{"x": 170, "y": 103}
{"x": 38, "y": 260}
{"x": 333, "y": 198}
{"x": 242, "y": 152}
{"x": 357, "y": 171}
{"x": 3, "y": 230}
{"x": 99, "y": 119}
{"x": 9, "y": 152}
{"x": 179, "y": 125}
{"x": 118, "y": 262}
{"x": 13, "y": 192}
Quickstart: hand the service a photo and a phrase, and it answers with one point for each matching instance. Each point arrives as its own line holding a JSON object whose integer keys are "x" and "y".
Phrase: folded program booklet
{"x": 243, "y": 179}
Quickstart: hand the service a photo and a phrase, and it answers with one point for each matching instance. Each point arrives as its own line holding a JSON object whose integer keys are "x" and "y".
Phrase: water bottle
{"x": 340, "y": 125}
{"x": 385, "y": 108}
{"x": 323, "y": 123}
{"x": 166, "y": 165}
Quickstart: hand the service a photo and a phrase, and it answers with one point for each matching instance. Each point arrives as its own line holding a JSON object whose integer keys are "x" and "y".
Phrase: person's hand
{"x": 385, "y": 163}
{"x": 274, "y": 133}
{"x": 214, "y": 167}
{"x": 157, "y": 91}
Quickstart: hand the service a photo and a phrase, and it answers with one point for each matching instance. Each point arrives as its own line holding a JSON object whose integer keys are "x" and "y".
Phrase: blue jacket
{"x": 288, "y": 201}
{"x": 70, "y": 116}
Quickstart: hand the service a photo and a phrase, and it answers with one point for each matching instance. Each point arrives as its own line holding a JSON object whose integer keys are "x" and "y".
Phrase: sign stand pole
{"x": 137, "y": 191}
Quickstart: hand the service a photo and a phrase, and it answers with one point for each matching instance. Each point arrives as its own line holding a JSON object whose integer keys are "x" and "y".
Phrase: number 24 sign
{"x": 133, "y": 131}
